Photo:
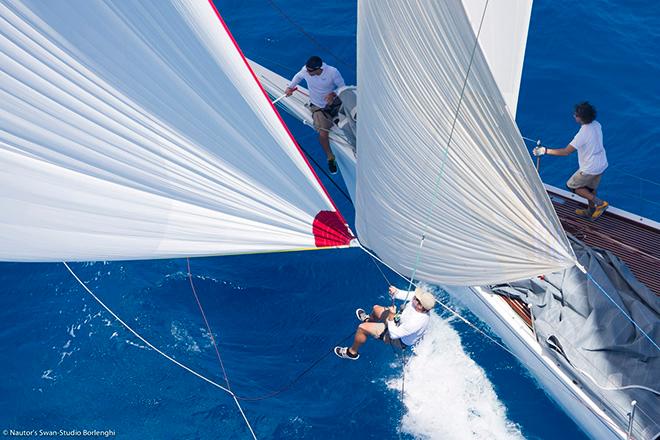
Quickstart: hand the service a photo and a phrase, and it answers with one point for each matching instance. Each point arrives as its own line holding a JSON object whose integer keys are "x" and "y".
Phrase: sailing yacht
{"x": 156, "y": 140}
{"x": 431, "y": 125}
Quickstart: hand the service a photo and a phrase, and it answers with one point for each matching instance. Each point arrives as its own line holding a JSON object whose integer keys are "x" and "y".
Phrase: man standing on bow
{"x": 591, "y": 157}
{"x": 322, "y": 81}
{"x": 400, "y": 330}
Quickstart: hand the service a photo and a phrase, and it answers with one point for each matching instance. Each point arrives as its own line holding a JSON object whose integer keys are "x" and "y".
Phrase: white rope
{"x": 445, "y": 154}
{"x": 150, "y": 345}
{"x": 616, "y": 388}
{"x": 445, "y": 306}
{"x": 623, "y": 312}
{"x": 474, "y": 327}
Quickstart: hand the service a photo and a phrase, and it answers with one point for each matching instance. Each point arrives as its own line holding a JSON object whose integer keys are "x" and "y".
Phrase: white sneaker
{"x": 361, "y": 315}
{"x": 343, "y": 353}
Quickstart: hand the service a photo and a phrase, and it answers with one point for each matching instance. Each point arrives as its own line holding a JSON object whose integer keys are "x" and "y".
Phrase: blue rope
{"x": 445, "y": 154}
{"x": 620, "y": 308}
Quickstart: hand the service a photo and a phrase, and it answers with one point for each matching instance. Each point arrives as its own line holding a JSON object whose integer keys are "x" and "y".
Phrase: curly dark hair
{"x": 586, "y": 112}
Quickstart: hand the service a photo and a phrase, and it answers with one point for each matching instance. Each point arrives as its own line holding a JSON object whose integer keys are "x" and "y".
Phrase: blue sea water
{"x": 67, "y": 364}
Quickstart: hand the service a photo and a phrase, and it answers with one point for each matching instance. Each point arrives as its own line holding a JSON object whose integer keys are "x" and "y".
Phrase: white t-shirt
{"x": 412, "y": 324}
{"x": 589, "y": 144}
{"x": 319, "y": 85}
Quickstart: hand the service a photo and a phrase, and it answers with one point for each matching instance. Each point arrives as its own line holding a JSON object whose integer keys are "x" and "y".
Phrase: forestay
{"x": 137, "y": 130}
{"x": 477, "y": 200}
{"x": 502, "y": 39}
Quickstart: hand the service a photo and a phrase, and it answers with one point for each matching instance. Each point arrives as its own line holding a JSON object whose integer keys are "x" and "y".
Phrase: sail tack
{"x": 137, "y": 130}
{"x": 477, "y": 200}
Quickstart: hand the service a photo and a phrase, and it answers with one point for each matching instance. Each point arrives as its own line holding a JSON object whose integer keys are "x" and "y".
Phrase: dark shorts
{"x": 385, "y": 337}
{"x": 323, "y": 116}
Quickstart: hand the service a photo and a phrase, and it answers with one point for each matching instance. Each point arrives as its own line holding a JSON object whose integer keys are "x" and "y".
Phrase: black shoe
{"x": 332, "y": 166}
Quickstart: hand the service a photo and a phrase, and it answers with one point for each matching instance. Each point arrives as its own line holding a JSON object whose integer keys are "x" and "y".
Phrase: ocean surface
{"x": 67, "y": 364}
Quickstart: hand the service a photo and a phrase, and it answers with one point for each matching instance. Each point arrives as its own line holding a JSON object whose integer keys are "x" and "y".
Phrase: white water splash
{"x": 135, "y": 344}
{"x": 447, "y": 395}
{"x": 182, "y": 338}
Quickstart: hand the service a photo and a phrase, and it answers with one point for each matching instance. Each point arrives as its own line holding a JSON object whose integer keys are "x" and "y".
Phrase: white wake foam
{"x": 447, "y": 395}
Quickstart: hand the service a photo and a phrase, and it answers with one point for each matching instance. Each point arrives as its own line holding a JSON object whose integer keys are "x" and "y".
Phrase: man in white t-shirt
{"x": 401, "y": 330}
{"x": 591, "y": 157}
{"x": 322, "y": 82}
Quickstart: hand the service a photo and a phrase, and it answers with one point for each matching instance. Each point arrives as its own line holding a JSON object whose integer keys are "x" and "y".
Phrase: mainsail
{"x": 445, "y": 185}
{"x": 137, "y": 130}
{"x": 502, "y": 40}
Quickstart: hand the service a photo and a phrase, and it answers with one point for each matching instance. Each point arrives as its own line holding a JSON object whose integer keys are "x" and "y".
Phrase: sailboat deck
{"x": 637, "y": 244}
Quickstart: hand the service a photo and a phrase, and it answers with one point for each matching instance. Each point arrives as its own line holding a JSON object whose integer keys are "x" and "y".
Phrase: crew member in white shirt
{"x": 400, "y": 330}
{"x": 591, "y": 157}
{"x": 322, "y": 82}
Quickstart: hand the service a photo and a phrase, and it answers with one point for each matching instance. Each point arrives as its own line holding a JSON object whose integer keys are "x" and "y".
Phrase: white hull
{"x": 515, "y": 333}
{"x": 490, "y": 308}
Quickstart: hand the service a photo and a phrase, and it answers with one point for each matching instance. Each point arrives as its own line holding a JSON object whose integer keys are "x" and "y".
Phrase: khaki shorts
{"x": 321, "y": 120}
{"x": 581, "y": 180}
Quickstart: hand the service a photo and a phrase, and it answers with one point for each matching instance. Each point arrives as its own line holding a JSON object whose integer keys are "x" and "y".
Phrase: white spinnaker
{"x": 136, "y": 130}
{"x": 482, "y": 207}
{"x": 503, "y": 39}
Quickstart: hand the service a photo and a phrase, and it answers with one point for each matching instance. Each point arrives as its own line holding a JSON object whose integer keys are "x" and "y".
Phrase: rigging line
{"x": 208, "y": 327}
{"x": 325, "y": 173}
{"x": 381, "y": 272}
{"x": 436, "y": 185}
{"x": 621, "y": 170}
{"x": 623, "y": 312}
{"x": 444, "y": 306}
{"x": 403, "y": 382}
{"x": 474, "y": 327}
{"x": 614, "y": 387}
{"x": 477, "y": 329}
{"x": 309, "y": 36}
{"x": 297, "y": 378}
{"x": 154, "y": 348}
{"x": 494, "y": 341}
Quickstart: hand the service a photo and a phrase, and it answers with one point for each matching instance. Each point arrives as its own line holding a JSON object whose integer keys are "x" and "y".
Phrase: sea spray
{"x": 447, "y": 395}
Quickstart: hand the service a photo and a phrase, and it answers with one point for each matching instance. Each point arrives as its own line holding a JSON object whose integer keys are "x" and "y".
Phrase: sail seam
{"x": 444, "y": 306}
{"x": 436, "y": 185}
{"x": 279, "y": 117}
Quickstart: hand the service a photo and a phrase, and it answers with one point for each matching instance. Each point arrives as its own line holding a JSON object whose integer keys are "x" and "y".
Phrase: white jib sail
{"x": 136, "y": 130}
{"x": 503, "y": 39}
{"x": 481, "y": 206}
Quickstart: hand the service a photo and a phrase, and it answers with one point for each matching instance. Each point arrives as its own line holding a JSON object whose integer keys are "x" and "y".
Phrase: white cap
{"x": 425, "y": 298}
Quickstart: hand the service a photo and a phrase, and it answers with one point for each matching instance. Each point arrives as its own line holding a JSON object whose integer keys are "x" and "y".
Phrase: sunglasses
{"x": 313, "y": 70}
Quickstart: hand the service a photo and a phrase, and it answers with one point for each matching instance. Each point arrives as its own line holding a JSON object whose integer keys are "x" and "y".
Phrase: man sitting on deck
{"x": 322, "y": 81}
{"x": 399, "y": 330}
{"x": 591, "y": 157}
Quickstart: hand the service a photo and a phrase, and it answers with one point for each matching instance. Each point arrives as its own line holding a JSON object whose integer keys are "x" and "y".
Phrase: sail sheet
{"x": 477, "y": 200}
{"x": 137, "y": 130}
{"x": 503, "y": 39}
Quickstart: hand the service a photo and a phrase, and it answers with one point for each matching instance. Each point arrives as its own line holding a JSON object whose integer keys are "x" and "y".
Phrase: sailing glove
{"x": 539, "y": 151}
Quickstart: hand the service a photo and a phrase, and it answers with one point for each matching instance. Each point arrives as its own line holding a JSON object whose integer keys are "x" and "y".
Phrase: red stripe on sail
{"x": 240, "y": 52}
{"x": 330, "y": 230}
